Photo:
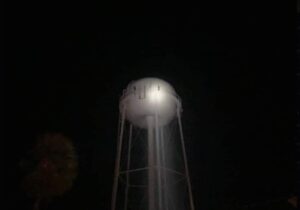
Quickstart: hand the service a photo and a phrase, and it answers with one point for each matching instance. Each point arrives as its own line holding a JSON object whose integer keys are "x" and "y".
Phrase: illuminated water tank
{"x": 151, "y": 169}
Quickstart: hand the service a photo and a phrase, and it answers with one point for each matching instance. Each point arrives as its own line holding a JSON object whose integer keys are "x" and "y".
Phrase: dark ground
{"x": 233, "y": 69}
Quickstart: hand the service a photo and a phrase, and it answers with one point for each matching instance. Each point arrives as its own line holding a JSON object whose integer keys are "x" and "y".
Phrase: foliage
{"x": 54, "y": 167}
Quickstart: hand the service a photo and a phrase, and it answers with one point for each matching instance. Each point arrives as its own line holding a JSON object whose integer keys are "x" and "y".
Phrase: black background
{"x": 232, "y": 65}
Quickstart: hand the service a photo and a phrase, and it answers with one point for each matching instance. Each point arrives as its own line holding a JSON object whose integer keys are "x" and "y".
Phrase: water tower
{"x": 151, "y": 170}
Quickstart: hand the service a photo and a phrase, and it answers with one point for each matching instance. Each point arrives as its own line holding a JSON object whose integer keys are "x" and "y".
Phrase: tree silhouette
{"x": 53, "y": 168}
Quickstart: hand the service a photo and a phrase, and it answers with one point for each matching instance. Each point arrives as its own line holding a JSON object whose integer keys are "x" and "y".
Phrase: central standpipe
{"x": 158, "y": 162}
{"x": 151, "y": 164}
{"x": 154, "y": 164}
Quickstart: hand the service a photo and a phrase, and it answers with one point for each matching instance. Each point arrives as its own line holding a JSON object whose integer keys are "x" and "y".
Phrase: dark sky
{"x": 231, "y": 67}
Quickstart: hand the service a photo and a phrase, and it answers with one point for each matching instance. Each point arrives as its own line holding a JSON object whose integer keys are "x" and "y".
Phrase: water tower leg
{"x": 128, "y": 168}
{"x": 185, "y": 162}
{"x": 151, "y": 161}
{"x": 117, "y": 163}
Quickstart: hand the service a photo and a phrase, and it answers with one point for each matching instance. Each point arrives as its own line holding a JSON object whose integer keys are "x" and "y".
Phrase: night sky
{"x": 231, "y": 67}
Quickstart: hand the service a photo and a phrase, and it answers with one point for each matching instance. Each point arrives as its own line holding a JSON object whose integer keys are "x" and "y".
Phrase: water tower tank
{"x": 148, "y": 97}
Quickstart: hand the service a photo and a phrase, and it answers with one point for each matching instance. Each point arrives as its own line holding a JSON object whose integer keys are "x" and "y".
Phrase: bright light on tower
{"x": 157, "y": 96}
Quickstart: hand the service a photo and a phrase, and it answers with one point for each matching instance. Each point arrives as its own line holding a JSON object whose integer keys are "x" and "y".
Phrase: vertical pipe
{"x": 185, "y": 161}
{"x": 128, "y": 168}
{"x": 158, "y": 162}
{"x": 117, "y": 163}
{"x": 151, "y": 174}
{"x": 162, "y": 141}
